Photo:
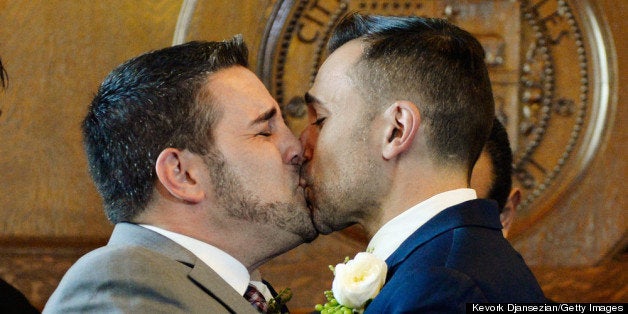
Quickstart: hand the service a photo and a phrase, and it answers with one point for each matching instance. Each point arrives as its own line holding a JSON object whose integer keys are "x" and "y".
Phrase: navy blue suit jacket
{"x": 459, "y": 256}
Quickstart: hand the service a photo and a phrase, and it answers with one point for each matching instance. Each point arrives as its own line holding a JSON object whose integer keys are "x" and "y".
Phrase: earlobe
{"x": 402, "y": 122}
{"x": 509, "y": 211}
{"x": 177, "y": 172}
{"x": 514, "y": 199}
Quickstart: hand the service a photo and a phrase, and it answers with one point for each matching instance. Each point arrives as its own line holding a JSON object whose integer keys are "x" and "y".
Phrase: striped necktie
{"x": 256, "y": 299}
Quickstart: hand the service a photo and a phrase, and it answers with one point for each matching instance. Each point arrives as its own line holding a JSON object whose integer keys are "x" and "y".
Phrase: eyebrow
{"x": 265, "y": 116}
{"x": 309, "y": 99}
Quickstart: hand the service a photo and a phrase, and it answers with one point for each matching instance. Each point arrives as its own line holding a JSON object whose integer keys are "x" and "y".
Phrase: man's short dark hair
{"x": 145, "y": 105}
{"x": 432, "y": 63}
{"x": 500, "y": 154}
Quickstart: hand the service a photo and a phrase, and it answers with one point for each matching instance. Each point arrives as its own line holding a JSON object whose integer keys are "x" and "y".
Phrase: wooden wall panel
{"x": 218, "y": 20}
{"x": 36, "y": 271}
{"x": 590, "y": 221}
{"x": 57, "y": 52}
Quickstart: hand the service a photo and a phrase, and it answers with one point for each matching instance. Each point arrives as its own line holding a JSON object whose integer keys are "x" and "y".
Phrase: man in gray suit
{"x": 199, "y": 174}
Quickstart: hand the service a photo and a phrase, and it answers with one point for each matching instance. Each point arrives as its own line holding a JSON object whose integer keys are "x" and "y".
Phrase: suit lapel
{"x": 482, "y": 213}
{"x": 128, "y": 234}
{"x": 204, "y": 276}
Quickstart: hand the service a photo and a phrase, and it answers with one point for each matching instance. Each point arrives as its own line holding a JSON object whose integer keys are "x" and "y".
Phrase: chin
{"x": 321, "y": 226}
{"x": 296, "y": 238}
{"x": 311, "y": 236}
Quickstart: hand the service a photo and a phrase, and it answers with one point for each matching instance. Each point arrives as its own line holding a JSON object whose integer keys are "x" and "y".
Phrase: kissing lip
{"x": 303, "y": 182}
{"x": 307, "y": 192}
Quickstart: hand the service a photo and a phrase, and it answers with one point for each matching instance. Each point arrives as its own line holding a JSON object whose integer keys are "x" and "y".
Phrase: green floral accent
{"x": 275, "y": 304}
{"x": 332, "y": 306}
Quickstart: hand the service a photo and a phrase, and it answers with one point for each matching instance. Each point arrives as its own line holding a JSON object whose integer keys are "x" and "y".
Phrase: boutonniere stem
{"x": 275, "y": 304}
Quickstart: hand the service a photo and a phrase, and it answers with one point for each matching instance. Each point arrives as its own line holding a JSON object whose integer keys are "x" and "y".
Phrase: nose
{"x": 292, "y": 150}
{"x": 306, "y": 138}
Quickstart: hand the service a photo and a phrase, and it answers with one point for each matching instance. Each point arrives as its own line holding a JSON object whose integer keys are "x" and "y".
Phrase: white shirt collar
{"x": 263, "y": 289}
{"x": 225, "y": 265}
{"x": 390, "y": 236}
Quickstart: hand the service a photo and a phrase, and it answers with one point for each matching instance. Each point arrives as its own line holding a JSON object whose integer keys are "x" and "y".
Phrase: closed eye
{"x": 319, "y": 122}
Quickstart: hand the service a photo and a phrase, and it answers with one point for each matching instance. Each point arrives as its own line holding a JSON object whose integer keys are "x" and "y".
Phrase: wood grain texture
{"x": 56, "y": 54}
{"x": 607, "y": 282}
{"x": 36, "y": 271}
{"x": 586, "y": 225}
{"x": 219, "y": 20}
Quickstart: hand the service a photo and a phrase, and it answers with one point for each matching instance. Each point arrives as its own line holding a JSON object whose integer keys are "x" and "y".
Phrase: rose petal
{"x": 359, "y": 280}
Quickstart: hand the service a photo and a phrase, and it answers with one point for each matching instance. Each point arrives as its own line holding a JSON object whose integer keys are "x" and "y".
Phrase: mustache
{"x": 303, "y": 177}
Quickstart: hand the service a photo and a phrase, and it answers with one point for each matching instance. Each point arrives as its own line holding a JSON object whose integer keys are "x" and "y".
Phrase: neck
{"x": 409, "y": 188}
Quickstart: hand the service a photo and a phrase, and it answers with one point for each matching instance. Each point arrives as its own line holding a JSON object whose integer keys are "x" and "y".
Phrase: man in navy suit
{"x": 399, "y": 113}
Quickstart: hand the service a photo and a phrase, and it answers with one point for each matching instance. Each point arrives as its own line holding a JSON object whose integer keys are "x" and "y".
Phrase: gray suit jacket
{"x": 141, "y": 271}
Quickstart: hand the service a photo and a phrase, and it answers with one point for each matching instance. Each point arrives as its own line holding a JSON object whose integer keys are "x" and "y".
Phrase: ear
{"x": 507, "y": 215}
{"x": 402, "y": 122}
{"x": 178, "y": 172}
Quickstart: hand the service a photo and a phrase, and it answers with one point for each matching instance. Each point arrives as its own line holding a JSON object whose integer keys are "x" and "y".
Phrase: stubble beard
{"x": 351, "y": 193}
{"x": 351, "y": 199}
{"x": 240, "y": 203}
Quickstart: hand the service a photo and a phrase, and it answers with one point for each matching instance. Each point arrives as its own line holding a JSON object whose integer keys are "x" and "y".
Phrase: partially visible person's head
{"x": 492, "y": 174}
{"x": 4, "y": 77}
{"x": 391, "y": 66}
{"x": 190, "y": 124}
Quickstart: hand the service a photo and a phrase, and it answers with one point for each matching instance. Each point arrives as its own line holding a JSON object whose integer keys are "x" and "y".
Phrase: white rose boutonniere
{"x": 355, "y": 284}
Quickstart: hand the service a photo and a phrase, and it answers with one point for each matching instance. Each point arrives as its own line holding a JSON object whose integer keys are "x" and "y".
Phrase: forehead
{"x": 333, "y": 84}
{"x": 238, "y": 93}
{"x": 344, "y": 57}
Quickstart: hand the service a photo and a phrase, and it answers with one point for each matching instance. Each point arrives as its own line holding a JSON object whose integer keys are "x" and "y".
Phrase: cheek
{"x": 329, "y": 154}
{"x": 257, "y": 165}
{"x": 309, "y": 138}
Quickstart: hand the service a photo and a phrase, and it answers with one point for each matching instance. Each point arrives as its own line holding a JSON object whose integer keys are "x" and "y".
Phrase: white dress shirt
{"x": 390, "y": 236}
{"x": 225, "y": 265}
